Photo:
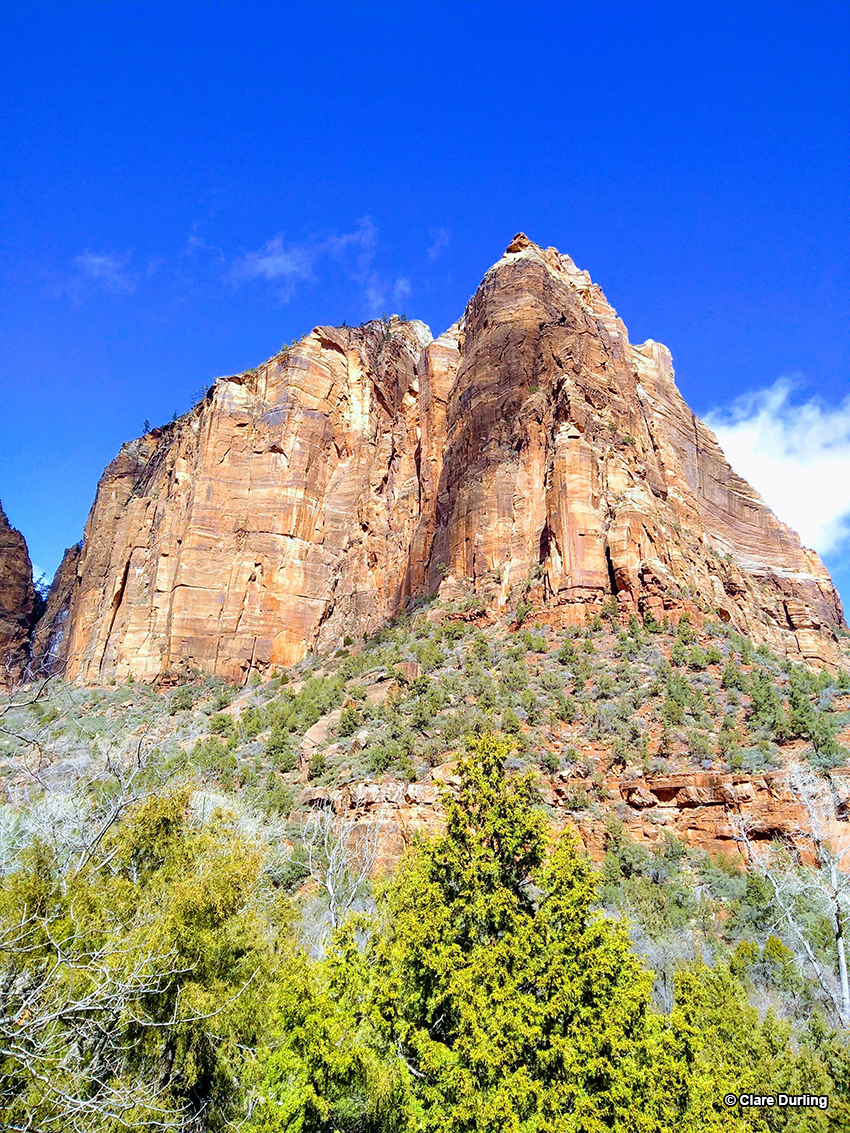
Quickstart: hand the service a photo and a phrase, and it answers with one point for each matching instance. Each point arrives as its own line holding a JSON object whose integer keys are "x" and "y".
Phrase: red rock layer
{"x": 707, "y": 811}
{"x": 530, "y": 445}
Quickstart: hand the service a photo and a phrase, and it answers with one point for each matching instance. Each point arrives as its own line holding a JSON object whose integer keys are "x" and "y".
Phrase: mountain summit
{"x": 531, "y": 452}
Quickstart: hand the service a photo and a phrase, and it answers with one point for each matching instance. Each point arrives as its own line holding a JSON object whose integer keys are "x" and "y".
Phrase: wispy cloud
{"x": 197, "y": 246}
{"x": 401, "y": 291}
{"x": 108, "y": 270}
{"x": 796, "y": 454}
{"x": 100, "y": 271}
{"x": 439, "y": 241}
{"x": 275, "y": 262}
{"x": 280, "y": 264}
{"x": 113, "y": 273}
{"x": 285, "y": 264}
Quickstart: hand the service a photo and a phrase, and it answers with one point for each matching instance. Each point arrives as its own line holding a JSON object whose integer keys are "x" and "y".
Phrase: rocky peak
{"x": 531, "y": 450}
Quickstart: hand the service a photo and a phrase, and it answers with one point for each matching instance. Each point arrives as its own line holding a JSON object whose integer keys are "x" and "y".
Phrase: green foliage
{"x": 454, "y": 632}
{"x": 350, "y": 720}
{"x": 279, "y": 748}
{"x": 317, "y": 766}
{"x": 679, "y": 652}
{"x": 221, "y": 725}
{"x": 734, "y": 676}
{"x": 148, "y": 963}
{"x": 510, "y": 722}
{"x": 684, "y": 630}
{"x": 523, "y": 609}
{"x": 324, "y": 1067}
{"x": 651, "y": 623}
{"x": 677, "y": 698}
{"x": 486, "y": 990}
{"x": 183, "y": 699}
{"x": 550, "y": 762}
{"x": 251, "y": 723}
{"x": 511, "y": 1014}
{"x": 753, "y": 759}
{"x": 213, "y": 756}
{"x": 766, "y": 710}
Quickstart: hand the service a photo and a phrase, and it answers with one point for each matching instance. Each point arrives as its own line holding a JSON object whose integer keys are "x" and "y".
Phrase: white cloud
{"x": 796, "y": 455}
{"x": 197, "y": 245}
{"x": 109, "y": 271}
{"x": 278, "y": 263}
{"x": 440, "y": 240}
{"x": 374, "y": 298}
{"x": 401, "y": 291}
{"x": 363, "y": 240}
{"x": 285, "y": 263}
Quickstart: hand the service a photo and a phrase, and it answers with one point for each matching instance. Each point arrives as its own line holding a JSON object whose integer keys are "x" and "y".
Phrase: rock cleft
{"x": 18, "y": 603}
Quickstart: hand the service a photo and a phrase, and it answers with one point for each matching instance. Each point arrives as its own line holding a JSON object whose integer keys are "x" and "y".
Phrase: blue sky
{"x": 186, "y": 186}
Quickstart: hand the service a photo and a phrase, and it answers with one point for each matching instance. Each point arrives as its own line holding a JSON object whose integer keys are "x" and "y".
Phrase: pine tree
{"x": 514, "y": 1005}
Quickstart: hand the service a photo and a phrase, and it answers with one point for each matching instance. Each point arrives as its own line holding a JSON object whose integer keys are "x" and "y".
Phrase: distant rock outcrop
{"x": 17, "y": 603}
{"x": 530, "y": 447}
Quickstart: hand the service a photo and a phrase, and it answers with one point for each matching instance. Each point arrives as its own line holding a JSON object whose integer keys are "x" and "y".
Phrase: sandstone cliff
{"x": 703, "y": 810}
{"x": 17, "y": 603}
{"x": 529, "y": 448}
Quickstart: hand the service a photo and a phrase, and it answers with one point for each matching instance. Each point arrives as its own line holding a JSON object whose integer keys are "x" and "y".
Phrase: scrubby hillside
{"x": 193, "y": 935}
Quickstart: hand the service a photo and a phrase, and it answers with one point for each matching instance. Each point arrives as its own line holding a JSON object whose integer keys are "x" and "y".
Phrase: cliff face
{"x": 531, "y": 445}
{"x": 703, "y": 810}
{"x": 17, "y": 603}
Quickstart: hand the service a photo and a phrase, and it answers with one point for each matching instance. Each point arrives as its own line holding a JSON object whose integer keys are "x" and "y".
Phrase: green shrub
{"x": 684, "y": 630}
{"x": 223, "y": 697}
{"x": 514, "y": 677}
{"x": 651, "y": 623}
{"x": 576, "y": 798}
{"x": 753, "y": 759}
{"x": 528, "y": 700}
{"x": 349, "y": 721}
{"x": 454, "y": 632}
{"x": 535, "y": 642}
{"x": 679, "y": 652}
{"x": 216, "y": 758}
{"x": 317, "y": 766}
{"x": 221, "y": 725}
{"x": 182, "y": 699}
{"x": 550, "y": 762}
{"x": 251, "y": 723}
{"x": 510, "y": 722}
{"x": 551, "y": 679}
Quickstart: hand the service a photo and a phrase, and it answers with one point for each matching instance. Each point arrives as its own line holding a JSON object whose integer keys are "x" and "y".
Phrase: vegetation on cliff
{"x": 190, "y": 939}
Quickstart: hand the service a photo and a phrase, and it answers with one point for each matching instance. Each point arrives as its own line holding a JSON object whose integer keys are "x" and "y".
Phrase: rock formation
{"x": 703, "y": 810}
{"x": 17, "y": 603}
{"x": 529, "y": 449}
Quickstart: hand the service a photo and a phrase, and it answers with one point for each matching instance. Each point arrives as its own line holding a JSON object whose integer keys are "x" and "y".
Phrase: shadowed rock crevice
{"x": 19, "y": 603}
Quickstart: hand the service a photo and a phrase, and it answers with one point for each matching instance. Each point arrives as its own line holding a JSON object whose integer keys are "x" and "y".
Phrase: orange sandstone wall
{"x": 309, "y": 499}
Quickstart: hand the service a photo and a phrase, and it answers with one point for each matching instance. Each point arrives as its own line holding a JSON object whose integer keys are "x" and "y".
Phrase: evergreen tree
{"x": 514, "y": 1005}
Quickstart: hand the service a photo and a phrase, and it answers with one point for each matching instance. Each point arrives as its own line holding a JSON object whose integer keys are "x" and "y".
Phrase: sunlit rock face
{"x": 17, "y": 603}
{"x": 530, "y": 446}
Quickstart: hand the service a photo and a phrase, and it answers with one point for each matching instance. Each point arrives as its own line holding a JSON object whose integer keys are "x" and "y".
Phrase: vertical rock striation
{"x": 17, "y": 603}
{"x": 530, "y": 445}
